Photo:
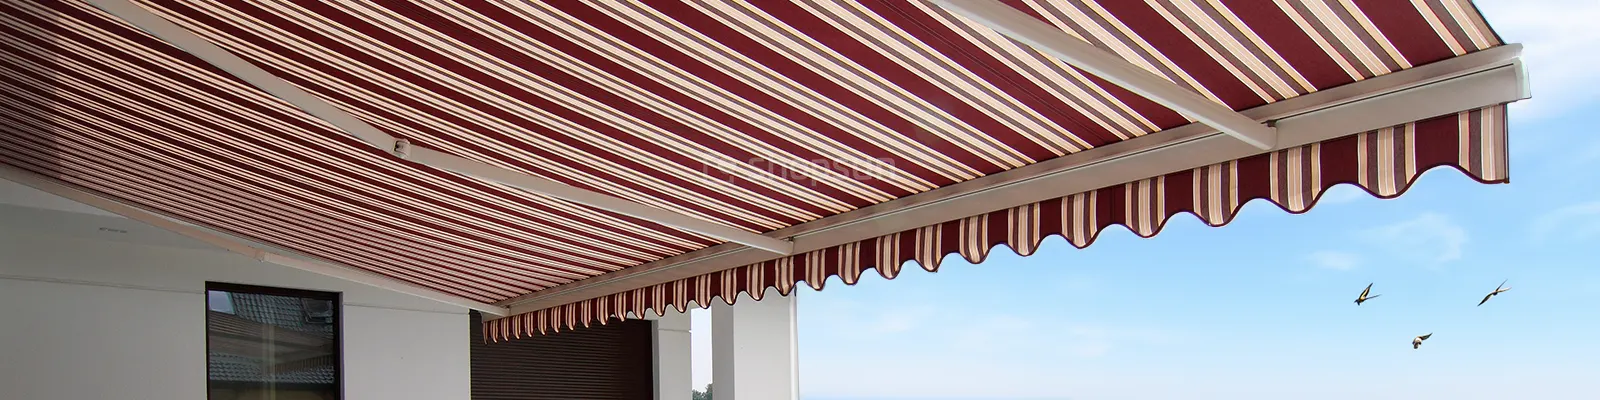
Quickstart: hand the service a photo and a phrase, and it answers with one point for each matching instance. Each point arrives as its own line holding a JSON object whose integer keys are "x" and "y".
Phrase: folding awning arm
{"x": 227, "y": 61}
{"x": 1023, "y": 28}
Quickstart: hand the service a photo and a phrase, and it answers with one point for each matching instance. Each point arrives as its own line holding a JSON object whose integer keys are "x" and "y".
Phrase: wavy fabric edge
{"x": 1384, "y": 163}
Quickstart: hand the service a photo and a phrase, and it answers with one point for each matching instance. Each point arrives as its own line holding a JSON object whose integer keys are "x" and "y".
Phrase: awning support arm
{"x": 239, "y": 246}
{"x": 1023, "y": 28}
{"x": 227, "y": 61}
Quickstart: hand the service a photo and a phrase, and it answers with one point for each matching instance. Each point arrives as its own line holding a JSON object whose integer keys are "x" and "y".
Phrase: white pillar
{"x": 674, "y": 366}
{"x": 753, "y": 351}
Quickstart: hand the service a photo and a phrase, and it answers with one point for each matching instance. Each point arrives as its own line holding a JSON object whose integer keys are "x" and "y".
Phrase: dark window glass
{"x": 271, "y": 343}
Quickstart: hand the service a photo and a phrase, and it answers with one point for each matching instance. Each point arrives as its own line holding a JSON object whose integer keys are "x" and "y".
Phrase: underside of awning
{"x": 566, "y": 162}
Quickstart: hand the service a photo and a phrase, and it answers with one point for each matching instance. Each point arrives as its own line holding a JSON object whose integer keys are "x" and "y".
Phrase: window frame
{"x": 338, "y": 323}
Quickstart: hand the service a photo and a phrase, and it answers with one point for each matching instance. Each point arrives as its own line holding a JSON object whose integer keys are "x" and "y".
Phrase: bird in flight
{"x": 1497, "y": 290}
{"x": 1417, "y": 342}
{"x": 1364, "y": 297}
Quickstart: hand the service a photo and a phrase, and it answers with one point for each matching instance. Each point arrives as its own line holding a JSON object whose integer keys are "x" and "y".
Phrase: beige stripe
{"x": 927, "y": 250}
{"x": 888, "y": 264}
{"x": 850, "y": 263}
{"x": 786, "y": 278}
{"x": 1388, "y": 140}
{"x": 1495, "y": 146}
{"x": 586, "y": 315}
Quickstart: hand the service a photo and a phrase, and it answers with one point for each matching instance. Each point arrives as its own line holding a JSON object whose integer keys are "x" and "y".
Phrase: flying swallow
{"x": 1417, "y": 342}
{"x": 1497, "y": 290}
{"x": 1364, "y": 297}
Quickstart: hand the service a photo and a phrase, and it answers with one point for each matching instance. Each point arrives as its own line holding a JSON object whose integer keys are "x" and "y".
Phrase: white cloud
{"x": 1562, "y": 48}
{"x": 1577, "y": 221}
{"x": 1430, "y": 239}
{"x": 1334, "y": 260}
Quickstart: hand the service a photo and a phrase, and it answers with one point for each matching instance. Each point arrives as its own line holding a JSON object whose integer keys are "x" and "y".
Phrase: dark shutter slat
{"x": 610, "y": 362}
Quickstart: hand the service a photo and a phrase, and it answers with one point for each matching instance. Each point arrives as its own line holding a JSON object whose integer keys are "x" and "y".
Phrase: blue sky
{"x": 1261, "y": 308}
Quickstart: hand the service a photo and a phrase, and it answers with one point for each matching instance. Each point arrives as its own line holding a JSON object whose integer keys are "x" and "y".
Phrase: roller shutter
{"x": 611, "y": 362}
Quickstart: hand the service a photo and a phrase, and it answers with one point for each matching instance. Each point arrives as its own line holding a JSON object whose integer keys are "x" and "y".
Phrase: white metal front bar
{"x": 1057, "y": 43}
{"x": 239, "y": 246}
{"x": 266, "y": 81}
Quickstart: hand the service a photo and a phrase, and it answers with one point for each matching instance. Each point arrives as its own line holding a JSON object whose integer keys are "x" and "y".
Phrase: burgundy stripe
{"x": 1111, "y": 209}
{"x": 1340, "y": 161}
{"x": 1176, "y": 186}
{"x": 825, "y": 33}
{"x": 1050, "y": 218}
{"x": 1439, "y": 141}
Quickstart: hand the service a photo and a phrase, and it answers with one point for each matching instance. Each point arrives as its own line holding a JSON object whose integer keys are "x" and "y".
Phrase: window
{"x": 272, "y": 343}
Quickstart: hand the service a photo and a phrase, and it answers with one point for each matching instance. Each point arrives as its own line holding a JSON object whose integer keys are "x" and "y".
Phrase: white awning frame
{"x": 1476, "y": 80}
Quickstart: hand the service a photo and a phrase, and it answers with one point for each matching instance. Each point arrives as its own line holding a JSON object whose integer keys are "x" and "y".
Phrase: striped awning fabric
{"x": 756, "y": 115}
{"x": 1383, "y": 162}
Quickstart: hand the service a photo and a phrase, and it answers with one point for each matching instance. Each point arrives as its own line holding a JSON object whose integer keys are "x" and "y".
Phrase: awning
{"x": 742, "y": 131}
{"x": 1383, "y": 162}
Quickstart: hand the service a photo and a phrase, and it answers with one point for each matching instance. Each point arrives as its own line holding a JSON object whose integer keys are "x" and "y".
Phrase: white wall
{"x": 84, "y": 319}
{"x": 754, "y": 348}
